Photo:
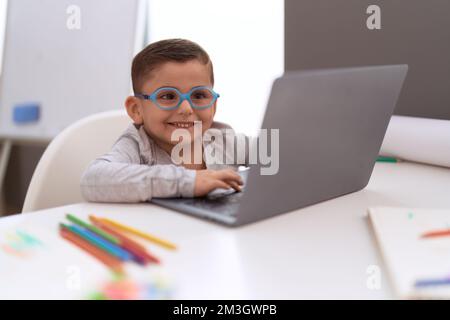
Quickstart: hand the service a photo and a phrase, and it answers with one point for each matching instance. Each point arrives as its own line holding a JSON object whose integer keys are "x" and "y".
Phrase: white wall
{"x": 2, "y": 28}
{"x": 245, "y": 40}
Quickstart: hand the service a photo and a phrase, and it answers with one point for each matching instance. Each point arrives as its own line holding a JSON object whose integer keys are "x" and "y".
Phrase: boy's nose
{"x": 185, "y": 107}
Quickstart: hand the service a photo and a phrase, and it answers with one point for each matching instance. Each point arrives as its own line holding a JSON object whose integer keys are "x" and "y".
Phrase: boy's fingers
{"x": 234, "y": 185}
{"x": 229, "y": 175}
{"x": 220, "y": 184}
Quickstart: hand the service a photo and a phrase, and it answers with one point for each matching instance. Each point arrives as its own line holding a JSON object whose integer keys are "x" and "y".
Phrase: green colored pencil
{"x": 92, "y": 228}
{"x": 387, "y": 159}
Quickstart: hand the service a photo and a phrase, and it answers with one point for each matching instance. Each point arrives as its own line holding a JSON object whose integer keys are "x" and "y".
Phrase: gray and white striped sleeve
{"x": 120, "y": 176}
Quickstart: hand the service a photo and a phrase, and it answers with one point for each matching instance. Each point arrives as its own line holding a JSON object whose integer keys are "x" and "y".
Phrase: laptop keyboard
{"x": 227, "y": 205}
{"x": 218, "y": 201}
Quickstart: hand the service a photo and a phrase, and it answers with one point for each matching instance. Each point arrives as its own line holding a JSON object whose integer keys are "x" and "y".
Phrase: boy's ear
{"x": 134, "y": 110}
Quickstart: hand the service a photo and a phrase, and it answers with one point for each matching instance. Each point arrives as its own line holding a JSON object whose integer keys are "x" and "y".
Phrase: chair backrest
{"x": 56, "y": 179}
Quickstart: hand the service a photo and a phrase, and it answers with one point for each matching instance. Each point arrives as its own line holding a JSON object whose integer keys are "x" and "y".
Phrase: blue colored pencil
{"x": 432, "y": 282}
{"x": 102, "y": 243}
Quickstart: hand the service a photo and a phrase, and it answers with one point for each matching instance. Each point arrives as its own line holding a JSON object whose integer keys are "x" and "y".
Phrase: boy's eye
{"x": 168, "y": 96}
{"x": 199, "y": 96}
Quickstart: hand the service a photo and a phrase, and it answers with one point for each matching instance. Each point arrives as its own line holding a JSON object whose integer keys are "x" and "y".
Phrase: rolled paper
{"x": 418, "y": 140}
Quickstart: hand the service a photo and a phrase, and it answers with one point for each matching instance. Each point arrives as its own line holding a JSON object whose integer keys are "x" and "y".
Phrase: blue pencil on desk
{"x": 101, "y": 243}
{"x": 432, "y": 282}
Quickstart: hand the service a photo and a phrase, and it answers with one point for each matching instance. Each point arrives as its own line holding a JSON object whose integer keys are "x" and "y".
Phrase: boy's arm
{"x": 119, "y": 176}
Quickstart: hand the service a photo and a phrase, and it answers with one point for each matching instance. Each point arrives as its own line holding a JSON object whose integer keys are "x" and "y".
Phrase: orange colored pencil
{"x": 164, "y": 243}
{"x": 126, "y": 242}
{"x": 436, "y": 233}
{"x": 110, "y": 261}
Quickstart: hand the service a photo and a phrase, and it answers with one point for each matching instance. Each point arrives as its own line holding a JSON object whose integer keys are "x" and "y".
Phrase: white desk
{"x": 322, "y": 251}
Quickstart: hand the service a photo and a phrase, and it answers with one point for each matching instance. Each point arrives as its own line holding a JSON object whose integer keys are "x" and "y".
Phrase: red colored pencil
{"x": 126, "y": 242}
{"x": 436, "y": 233}
{"x": 110, "y": 261}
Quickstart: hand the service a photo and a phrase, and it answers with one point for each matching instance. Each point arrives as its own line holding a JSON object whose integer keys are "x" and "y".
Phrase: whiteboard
{"x": 69, "y": 70}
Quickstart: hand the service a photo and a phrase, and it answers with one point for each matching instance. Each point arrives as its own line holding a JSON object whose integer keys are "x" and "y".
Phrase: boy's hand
{"x": 208, "y": 180}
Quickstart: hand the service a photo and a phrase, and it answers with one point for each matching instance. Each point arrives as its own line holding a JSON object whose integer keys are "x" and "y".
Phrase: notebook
{"x": 418, "y": 267}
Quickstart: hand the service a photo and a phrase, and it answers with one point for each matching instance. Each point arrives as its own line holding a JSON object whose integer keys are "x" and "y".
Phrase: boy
{"x": 172, "y": 83}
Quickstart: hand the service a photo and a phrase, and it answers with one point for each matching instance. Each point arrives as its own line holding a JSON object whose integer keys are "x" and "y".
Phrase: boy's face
{"x": 160, "y": 124}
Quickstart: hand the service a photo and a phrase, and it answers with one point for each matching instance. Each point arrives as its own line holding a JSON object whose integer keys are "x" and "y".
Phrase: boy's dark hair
{"x": 159, "y": 52}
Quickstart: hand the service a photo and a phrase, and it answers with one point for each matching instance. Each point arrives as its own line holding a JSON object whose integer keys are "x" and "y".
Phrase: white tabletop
{"x": 322, "y": 251}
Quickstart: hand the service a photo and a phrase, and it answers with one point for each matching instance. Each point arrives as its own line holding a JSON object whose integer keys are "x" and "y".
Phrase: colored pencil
{"x": 127, "y": 243}
{"x": 147, "y": 236}
{"x": 110, "y": 261}
{"x": 92, "y": 228}
{"x": 101, "y": 243}
{"x": 436, "y": 233}
{"x": 432, "y": 282}
{"x": 387, "y": 159}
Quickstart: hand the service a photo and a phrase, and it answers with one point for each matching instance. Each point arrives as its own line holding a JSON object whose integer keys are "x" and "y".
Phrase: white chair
{"x": 56, "y": 179}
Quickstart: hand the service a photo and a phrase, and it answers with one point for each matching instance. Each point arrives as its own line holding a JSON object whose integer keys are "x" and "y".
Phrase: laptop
{"x": 331, "y": 126}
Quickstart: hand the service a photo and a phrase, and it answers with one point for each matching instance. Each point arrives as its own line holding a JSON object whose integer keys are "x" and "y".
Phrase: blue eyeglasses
{"x": 168, "y": 98}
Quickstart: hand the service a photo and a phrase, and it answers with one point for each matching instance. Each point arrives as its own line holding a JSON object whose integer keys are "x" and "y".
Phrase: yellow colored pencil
{"x": 139, "y": 233}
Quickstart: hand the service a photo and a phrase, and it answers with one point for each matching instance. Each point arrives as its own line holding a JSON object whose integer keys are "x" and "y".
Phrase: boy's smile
{"x": 182, "y": 124}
